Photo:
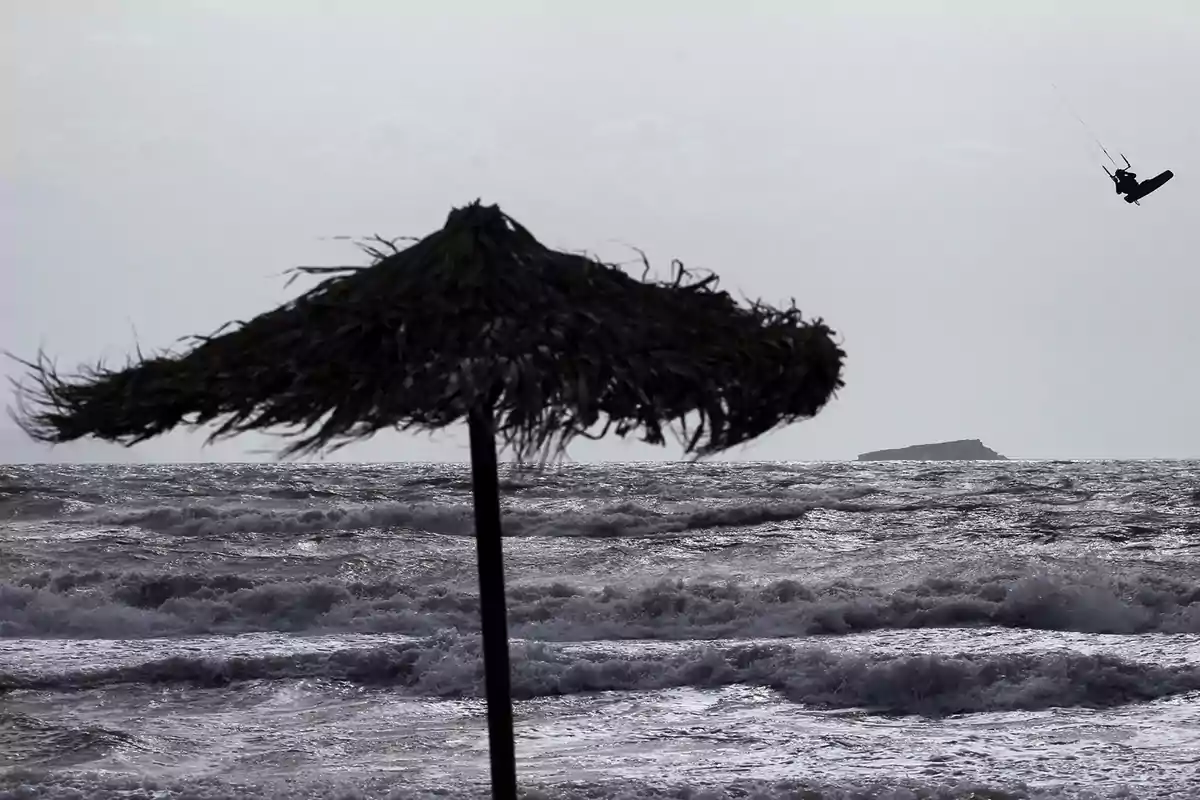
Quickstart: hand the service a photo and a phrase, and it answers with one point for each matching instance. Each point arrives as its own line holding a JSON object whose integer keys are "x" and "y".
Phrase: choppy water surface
{"x": 840, "y": 630}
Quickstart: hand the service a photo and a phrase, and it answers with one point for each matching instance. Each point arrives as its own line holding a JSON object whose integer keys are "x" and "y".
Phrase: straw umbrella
{"x": 479, "y": 322}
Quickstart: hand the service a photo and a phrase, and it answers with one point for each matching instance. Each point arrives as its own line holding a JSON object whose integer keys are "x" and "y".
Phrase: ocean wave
{"x": 449, "y": 666}
{"x": 28, "y": 741}
{"x": 26, "y": 783}
{"x": 616, "y": 519}
{"x": 30, "y": 501}
{"x": 135, "y": 604}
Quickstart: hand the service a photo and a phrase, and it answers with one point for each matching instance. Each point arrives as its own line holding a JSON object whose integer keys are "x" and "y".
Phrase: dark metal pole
{"x": 492, "y": 613}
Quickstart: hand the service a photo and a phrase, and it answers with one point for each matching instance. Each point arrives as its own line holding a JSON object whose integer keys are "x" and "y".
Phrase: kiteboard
{"x": 1149, "y": 185}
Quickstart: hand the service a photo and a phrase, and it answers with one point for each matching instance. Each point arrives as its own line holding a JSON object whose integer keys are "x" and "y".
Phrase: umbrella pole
{"x": 493, "y": 616}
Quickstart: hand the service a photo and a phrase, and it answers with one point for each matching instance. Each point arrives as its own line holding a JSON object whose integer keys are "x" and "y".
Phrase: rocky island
{"x": 958, "y": 450}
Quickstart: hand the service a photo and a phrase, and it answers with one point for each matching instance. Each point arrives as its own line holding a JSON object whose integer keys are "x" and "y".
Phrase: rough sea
{"x": 802, "y": 630}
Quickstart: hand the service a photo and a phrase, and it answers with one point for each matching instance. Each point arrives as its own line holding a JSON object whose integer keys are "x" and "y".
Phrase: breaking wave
{"x": 615, "y": 519}
{"x": 107, "y": 786}
{"x": 449, "y": 666}
{"x": 135, "y": 604}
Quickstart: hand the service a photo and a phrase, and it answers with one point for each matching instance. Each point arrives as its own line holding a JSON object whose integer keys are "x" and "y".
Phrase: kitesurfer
{"x": 1125, "y": 181}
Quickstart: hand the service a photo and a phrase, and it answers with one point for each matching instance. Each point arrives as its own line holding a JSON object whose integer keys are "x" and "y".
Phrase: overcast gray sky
{"x": 905, "y": 170}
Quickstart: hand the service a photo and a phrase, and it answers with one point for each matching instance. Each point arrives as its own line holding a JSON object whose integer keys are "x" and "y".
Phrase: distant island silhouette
{"x": 958, "y": 450}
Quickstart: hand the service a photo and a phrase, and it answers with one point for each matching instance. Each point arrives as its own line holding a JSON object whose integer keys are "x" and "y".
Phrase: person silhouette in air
{"x": 1126, "y": 181}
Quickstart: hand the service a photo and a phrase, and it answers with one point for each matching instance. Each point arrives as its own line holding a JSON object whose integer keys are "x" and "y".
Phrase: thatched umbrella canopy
{"x": 479, "y": 322}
